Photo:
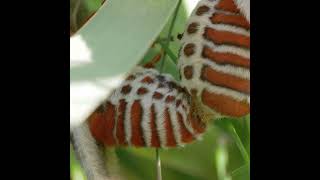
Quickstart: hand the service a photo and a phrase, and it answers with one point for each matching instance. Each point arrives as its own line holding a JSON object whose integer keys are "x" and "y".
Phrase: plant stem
{"x": 239, "y": 144}
{"x": 164, "y": 39}
{"x": 172, "y": 56}
{"x": 169, "y": 34}
{"x": 239, "y": 170}
{"x": 158, "y": 165}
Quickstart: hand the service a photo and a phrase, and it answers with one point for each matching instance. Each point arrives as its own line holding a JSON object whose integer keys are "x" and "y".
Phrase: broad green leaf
{"x": 108, "y": 46}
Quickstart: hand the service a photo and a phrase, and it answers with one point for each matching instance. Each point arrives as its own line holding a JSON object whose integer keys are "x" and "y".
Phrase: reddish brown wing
{"x": 215, "y": 57}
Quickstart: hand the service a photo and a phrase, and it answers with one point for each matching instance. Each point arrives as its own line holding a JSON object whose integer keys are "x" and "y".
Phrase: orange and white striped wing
{"x": 214, "y": 60}
{"x": 147, "y": 110}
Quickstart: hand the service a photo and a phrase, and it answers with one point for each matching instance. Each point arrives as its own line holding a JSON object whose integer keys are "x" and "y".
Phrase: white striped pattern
{"x": 197, "y": 60}
{"x": 160, "y": 106}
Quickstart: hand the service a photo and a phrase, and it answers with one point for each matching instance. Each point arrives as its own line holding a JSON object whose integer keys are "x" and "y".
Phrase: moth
{"x": 149, "y": 109}
{"x": 214, "y": 59}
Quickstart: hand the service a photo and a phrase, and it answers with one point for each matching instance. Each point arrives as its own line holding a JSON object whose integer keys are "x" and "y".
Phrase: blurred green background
{"x": 224, "y": 152}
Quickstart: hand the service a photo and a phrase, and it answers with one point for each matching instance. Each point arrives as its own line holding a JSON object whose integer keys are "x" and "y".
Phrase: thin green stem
{"x": 172, "y": 56}
{"x": 169, "y": 34}
{"x": 239, "y": 144}
{"x": 240, "y": 169}
{"x": 164, "y": 39}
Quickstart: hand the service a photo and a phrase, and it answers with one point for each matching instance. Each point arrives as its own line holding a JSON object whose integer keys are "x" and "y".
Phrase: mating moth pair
{"x": 150, "y": 109}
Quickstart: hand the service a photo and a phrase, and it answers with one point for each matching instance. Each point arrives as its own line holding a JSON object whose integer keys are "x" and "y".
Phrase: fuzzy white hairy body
{"x": 244, "y": 6}
{"x": 165, "y": 111}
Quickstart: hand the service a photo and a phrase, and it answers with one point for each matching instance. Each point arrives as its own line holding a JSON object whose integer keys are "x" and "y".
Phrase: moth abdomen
{"x": 148, "y": 109}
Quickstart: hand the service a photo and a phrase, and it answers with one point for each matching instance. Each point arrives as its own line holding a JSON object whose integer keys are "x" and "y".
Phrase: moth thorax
{"x": 202, "y": 112}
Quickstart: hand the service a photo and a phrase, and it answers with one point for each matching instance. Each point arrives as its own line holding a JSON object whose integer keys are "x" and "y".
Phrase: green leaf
{"x": 108, "y": 46}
